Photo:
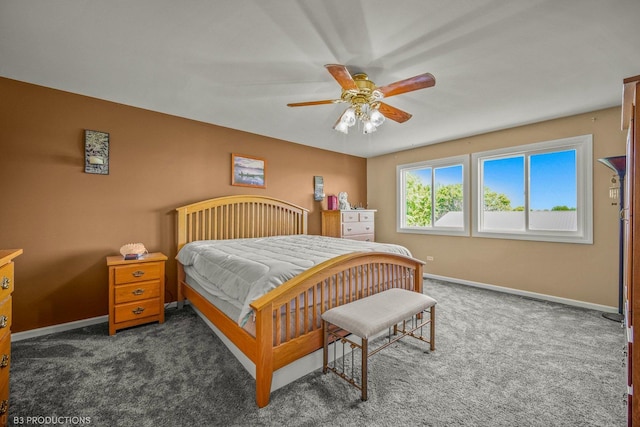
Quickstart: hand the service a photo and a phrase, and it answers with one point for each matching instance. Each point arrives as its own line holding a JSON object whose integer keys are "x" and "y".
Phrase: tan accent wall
{"x": 68, "y": 221}
{"x": 581, "y": 272}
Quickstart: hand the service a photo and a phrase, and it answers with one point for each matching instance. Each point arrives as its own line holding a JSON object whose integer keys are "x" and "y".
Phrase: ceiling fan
{"x": 365, "y": 98}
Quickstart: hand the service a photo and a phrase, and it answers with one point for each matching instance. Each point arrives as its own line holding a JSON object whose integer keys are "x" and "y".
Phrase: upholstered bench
{"x": 371, "y": 315}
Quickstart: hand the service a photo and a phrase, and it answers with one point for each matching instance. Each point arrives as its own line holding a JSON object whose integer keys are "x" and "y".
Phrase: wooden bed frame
{"x": 287, "y": 319}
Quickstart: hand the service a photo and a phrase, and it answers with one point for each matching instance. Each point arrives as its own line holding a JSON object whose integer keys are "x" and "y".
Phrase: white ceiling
{"x": 237, "y": 63}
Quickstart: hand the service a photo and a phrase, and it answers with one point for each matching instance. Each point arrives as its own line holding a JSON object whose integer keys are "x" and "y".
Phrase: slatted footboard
{"x": 288, "y": 319}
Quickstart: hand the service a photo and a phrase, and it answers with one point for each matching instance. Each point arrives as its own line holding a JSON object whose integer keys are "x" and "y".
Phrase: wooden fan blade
{"x": 393, "y": 113}
{"x": 304, "y": 104}
{"x": 407, "y": 85}
{"x": 342, "y": 76}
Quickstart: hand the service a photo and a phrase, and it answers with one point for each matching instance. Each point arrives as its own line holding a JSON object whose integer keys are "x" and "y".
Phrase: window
{"x": 433, "y": 196}
{"x": 540, "y": 191}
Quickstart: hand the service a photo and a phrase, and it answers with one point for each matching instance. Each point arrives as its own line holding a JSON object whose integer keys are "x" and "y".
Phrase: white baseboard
{"x": 545, "y": 297}
{"x": 63, "y": 327}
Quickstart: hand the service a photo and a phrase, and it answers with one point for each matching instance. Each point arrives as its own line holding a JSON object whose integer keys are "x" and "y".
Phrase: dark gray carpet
{"x": 500, "y": 360}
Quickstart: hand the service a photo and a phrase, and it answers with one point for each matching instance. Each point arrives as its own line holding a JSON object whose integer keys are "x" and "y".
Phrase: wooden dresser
{"x": 6, "y": 289}
{"x": 355, "y": 224}
{"x": 631, "y": 279}
{"x": 136, "y": 291}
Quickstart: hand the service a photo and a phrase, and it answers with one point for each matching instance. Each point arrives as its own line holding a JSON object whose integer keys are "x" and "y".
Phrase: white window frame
{"x": 583, "y": 145}
{"x": 401, "y": 199}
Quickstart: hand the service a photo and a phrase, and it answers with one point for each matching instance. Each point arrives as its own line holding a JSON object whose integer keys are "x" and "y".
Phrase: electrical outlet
{"x": 429, "y": 258}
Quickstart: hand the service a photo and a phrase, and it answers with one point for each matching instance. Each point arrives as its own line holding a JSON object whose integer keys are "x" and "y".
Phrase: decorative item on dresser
{"x": 631, "y": 300}
{"x": 136, "y": 290}
{"x": 355, "y": 224}
{"x": 6, "y": 289}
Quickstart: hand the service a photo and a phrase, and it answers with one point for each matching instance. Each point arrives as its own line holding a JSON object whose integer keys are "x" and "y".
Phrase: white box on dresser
{"x": 355, "y": 224}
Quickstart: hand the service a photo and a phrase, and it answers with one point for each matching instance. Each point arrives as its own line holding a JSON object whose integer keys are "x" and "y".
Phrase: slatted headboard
{"x": 237, "y": 217}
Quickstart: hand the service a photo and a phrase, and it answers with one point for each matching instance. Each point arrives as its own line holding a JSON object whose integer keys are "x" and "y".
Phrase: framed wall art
{"x": 96, "y": 152}
{"x": 248, "y": 171}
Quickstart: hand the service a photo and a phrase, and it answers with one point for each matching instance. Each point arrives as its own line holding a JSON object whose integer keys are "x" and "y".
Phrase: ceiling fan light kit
{"x": 368, "y": 115}
{"x": 364, "y": 99}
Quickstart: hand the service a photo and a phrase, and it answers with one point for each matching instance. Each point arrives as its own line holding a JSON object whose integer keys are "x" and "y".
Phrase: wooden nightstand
{"x": 136, "y": 291}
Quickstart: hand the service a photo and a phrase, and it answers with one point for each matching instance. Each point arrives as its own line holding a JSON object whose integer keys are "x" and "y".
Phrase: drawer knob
{"x": 4, "y": 362}
{"x": 138, "y": 291}
{"x": 138, "y": 310}
{"x": 138, "y": 273}
{"x": 348, "y": 228}
{"x": 5, "y": 282}
{"x": 3, "y": 321}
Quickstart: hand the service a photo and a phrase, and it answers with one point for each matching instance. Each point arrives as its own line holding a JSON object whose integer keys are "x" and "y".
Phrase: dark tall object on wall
{"x": 619, "y": 165}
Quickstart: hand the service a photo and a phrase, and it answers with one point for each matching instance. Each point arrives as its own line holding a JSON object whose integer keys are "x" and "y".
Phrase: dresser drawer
{"x": 137, "y": 310}
{"x": 6, "y": 280}
{"x": 5, "y": 317}
{"x": 137, "y": 291}
{"x": 137, "y": 272}
{"x": 362, "y": 237}
{"x": 365, "y": 216}
{"x": 357, "y": 228}
{"x": 5, "y": 359}
{"x": 4, "y": 401}
{"x": 349, "y": 216}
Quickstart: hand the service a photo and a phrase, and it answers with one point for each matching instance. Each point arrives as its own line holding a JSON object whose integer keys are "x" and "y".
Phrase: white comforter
{"x": 242, "y": 270}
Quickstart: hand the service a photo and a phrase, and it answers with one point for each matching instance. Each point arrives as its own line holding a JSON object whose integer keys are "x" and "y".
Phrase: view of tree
{"x": 562, "y": 208}
{"x": 418, "y": 198}
{"x": 448, "y": 199}
{"x": 494, "y": 201}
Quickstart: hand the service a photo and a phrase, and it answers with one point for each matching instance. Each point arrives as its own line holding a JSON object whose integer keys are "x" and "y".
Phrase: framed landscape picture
{"x": 248, "y": 171}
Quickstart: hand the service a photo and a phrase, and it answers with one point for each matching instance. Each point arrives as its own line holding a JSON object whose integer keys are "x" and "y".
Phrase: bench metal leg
{"x": 325, "y": 346}
{"x": 432, "y": 331}
{"x": 365, "y": 356}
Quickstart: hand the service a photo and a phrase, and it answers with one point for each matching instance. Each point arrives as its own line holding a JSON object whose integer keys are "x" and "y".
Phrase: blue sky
{"x": 444, "y": 176}
{"x": 553, "y": 178}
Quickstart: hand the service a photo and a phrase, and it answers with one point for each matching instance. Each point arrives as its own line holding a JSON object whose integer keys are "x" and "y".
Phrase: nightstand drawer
{"x": 357, "y": 228}
{"x": 137, "y": 291}
{"x": 137, "y": 272}
{"x": 6, "y": 280}
{"x": 137, "y": 310}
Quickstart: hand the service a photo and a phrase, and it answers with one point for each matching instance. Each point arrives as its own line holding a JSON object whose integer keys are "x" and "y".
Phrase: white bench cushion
{"x": 368, "y": 316}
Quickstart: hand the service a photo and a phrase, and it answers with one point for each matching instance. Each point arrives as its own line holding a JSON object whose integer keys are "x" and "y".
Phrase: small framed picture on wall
{"x": 96, "y": 152}
{"x": 248, "y": 171}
